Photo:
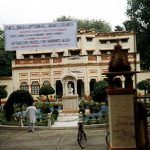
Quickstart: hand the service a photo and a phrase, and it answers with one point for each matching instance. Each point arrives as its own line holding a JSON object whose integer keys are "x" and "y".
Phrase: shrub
{"x": 55, "y": 114}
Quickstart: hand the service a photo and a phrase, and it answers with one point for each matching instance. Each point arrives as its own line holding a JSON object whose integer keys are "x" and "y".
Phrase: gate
{"x": 142, "y": 122}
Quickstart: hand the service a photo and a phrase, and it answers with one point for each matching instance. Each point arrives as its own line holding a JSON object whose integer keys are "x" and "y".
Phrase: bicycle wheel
{"x": 82, "y": 140}
{"x": 107, "y": 139}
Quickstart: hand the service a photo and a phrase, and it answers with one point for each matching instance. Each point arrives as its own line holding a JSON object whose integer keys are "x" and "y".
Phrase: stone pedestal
{"x": 121, "y": 119}
{"x": 70, "y": 103}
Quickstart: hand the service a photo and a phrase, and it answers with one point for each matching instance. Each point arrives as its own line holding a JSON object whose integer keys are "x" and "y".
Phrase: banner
{"x": 40, "y": 36}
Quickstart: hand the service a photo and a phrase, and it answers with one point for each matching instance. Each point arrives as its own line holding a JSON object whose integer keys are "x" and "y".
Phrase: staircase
{"x": 67, "y": 120}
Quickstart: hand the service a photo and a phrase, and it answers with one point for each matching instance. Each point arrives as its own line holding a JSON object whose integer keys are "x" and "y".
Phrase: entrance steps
{"x": 67, "y": 120}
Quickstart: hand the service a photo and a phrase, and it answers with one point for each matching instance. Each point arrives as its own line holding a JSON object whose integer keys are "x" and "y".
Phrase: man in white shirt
{"x": 31, "y": 111}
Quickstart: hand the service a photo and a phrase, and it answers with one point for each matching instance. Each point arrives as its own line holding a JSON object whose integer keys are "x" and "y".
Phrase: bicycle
{"x": 107, "y": 139}
{"x": 82, "y": 140}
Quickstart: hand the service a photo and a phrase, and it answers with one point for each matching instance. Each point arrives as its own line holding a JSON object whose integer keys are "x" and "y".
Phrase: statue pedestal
{"x": 121, "y": 119}
{"x": 70, "y": 103}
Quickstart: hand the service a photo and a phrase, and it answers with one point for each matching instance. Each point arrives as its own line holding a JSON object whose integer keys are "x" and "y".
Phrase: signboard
{"x": 40, "y": 36}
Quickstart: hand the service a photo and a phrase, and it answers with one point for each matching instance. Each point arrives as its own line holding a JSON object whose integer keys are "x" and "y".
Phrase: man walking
{"x": 31, "y": 111}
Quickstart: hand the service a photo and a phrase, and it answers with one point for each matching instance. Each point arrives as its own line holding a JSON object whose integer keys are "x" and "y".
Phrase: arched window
{"x": 59, "y": 89}
{"x": 117, "y": 83}
{"x": 24, "y": 86}
{"x": 80, "y": 88}
{"x": 46, "y": 82}
{"x": 35, "y": 87}
{"x": 92, "y": 83}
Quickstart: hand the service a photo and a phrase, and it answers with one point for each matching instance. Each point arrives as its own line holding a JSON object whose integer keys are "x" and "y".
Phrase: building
{"x": 85, "y": 63}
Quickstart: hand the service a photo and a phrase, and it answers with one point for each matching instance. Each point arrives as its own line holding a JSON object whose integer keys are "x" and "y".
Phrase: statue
{"x": 70, "y": 89}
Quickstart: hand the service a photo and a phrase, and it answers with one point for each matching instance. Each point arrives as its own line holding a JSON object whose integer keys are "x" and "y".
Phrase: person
{"x": 31, "y": 111}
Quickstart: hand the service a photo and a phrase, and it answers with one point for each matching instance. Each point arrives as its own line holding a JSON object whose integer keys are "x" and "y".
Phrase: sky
{"x": 45, "y": 11}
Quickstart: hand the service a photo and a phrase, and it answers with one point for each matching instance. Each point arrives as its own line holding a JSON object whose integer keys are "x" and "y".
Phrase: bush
{"x": 55, "y": 114}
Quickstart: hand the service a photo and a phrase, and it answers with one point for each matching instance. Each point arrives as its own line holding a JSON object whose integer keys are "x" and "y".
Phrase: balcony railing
{"x": 31, "y": 61}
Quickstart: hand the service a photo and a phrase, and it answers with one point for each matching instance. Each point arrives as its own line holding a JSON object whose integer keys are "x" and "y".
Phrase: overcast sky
{"x": 44, "y": 11}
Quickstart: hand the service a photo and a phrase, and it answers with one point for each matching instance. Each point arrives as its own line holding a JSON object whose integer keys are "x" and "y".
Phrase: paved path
{"x": 67, "y": 120}
{"x": 13, "y": 139}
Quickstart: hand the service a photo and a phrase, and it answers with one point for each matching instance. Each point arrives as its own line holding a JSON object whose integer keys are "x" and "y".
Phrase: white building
{"x": 86, "y": 63}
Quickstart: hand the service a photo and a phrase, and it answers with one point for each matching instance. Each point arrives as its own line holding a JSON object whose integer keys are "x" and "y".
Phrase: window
{"x": 26, "y": 56}
{"x": 92, "y": 84}
{"x": 24, "y": 86}
{"x": 60, "y": 54}
{"x": 103, "y": 41}
{"x": 37, "y": 55}
{"x": 48, "y": 55}
{"x": 46, "y": 82}
{"x": 113, "y": 41}
{"x": 103, "y": 52}
{"x": 90, "y": 53}
{"x": 124, "y": 40}
{"x": 78, "y": 39}
{"x": 75, "y": 53}
{"x": 89, "y": 39}
{"x": 35, "y": 87}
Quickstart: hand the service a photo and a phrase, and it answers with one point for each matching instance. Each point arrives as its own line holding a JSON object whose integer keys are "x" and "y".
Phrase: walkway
{"x": 67, "y": 120}
{"x": 17, "y": 139}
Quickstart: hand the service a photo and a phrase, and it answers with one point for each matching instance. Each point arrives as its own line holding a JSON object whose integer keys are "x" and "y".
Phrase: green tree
{"x": 5, "y": 58}
{"x": 19, "y": 98}
{"x": 97, "y": 25}
{"x": 119, "y": 28}
{"x": 144, "y": 85}
{"x": 3, "y": 94}
{"x": 138, "y": 12}
{"x": 46, "y": 90}
{"x": 99, "y": 93}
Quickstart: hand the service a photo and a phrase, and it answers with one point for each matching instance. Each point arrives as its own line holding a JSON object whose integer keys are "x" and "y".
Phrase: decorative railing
{"x": 57, "y": 60}
{"x": 92, "y": 57}
{"x": 105, "y": 57}
{"x": 31, "y": 61}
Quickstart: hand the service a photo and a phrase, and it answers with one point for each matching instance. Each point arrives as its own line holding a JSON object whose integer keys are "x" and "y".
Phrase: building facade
{"x": 85, "y": 63}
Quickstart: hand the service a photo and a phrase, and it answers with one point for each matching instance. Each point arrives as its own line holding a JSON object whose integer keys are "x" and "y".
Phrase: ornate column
{"x": 75, "y": 87}
{"x": 121, "y": 103}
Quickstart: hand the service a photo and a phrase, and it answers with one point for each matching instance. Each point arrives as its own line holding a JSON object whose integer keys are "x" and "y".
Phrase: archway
{"x": 70, "y": 97}
{"x": 59, "y": 89}
{"x": 80, "y": 88}
{"x": 117, "y": 82}
{"x": 92, "y": 83}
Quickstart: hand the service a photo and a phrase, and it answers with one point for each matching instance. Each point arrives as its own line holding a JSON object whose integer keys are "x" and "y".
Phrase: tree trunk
{"x": 47, "y": 98}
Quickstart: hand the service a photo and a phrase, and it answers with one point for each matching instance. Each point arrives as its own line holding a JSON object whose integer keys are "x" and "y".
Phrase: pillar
{"x": 121, "y": 119}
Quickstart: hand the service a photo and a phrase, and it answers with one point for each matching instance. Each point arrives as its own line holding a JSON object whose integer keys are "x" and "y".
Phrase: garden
{"x": 42, "y": 115}
{"x": 14, "y": 110}
{"x": 93, "y": 112}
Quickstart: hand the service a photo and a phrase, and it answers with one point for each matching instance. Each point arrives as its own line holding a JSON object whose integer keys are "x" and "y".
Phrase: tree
{"x": 119, "y": 28}
{"x": 3, "y": 94}
{"x": 6, "y": 58}
{"x": 99, "y": 93}
{"x": 138, "y": 12}
{"x": 144, "y": 85}
{"x": 46, "y": 90}
{"x": 19, "y": 98}
{"x": 97, "y": 25}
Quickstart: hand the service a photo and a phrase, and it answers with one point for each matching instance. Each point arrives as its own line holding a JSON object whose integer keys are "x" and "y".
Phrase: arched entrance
{"x": 92, "y": 83}
{"x": 59, "y": 89}
{"x": 80, "y": 88}
{"x": 70, "y": 97}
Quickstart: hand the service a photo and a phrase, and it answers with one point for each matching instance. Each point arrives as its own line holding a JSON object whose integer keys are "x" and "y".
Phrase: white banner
{"x": 40, "y": 36}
